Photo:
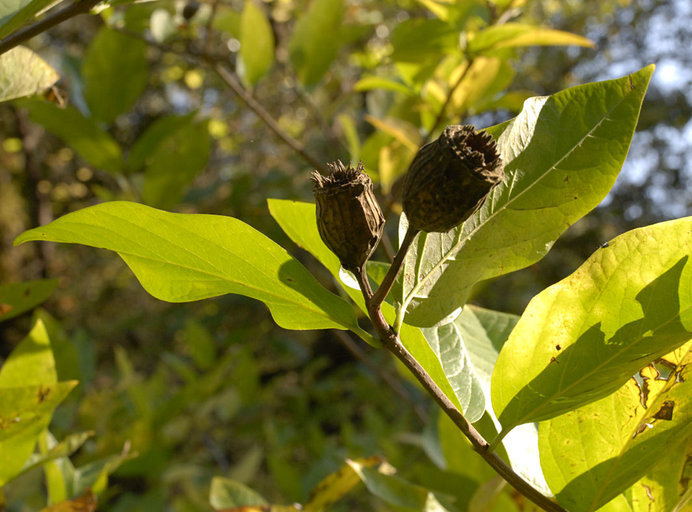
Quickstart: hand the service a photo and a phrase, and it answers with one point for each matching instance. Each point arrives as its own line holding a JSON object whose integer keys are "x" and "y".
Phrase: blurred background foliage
{"x": 214, "y": 388}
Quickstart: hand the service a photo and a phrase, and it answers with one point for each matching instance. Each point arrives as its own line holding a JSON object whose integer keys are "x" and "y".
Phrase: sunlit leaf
{"x": 562, "y": 155}
{"x": 24, "y": 73}
{"x": 256, "y": 44}
{"x": 584, "y": 337}
{"x": 114, "y": 73}
{"x": 315, "y": 42}
{"x": 81, "y": 133}
{"x": 510, "y": 35}
{"x": 180, "y": 258}
{"x": 17, "y": 298}
{"x": 592, "y": 454}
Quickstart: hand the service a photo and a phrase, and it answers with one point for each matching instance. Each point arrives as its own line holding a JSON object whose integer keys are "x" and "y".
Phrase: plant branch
{"x": 229, "y": 78}
{"x": 479, "y": 444}
{"x": 74, "y": 9}
{"x": 391, "y": 342}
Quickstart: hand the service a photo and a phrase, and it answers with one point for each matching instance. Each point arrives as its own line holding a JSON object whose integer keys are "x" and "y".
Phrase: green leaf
{"x": 421, "y": 40}
{"x": 584, "y": 337}
{"x": 31, "y": 363}
{"x": 397, "y": 491}
{"x": 592, "y": 454}
{"x": 446, "y": 341}
{"x": 79, "y": 132}
{"x": 17, "y": 298}
{"x": 336, "y": 485}
{"x": 15, "y": 13}
{"x": 511, "y": 35}
{"x": 114, "y": 73}
{"x": 95, "y": 475}
{"x": 297, "y": 219}
{"x": 227, "y": 493}
{"x": 256, "y": 44}
{"x": 180, "y": 258}
{"x": 174, "y": 164}
{"x": 315, "y": 42}
{"x": 143, "y": 151}
{"x": 467, "y": 349}
{"x": 64, "y": 448}
{"x": 368, "y": 83}
{"x": 562, "y": 155}
{"x": 24, "y": 412}
{"x": 24, "y": 73}
{"x": 29, "y": 393}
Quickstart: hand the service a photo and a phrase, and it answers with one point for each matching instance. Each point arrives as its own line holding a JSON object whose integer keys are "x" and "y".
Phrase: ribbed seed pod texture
{"x": 349, "y": 219}
{"x": 450, "y": 178}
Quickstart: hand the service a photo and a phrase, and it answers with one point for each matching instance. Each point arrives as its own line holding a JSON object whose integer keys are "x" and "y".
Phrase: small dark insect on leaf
{"x": 558, "y": 347}
{"x": 604, "y": 245}
{"x": 666, "y": 411}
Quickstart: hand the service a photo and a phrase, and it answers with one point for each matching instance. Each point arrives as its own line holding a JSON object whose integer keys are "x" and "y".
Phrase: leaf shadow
{"x": 596, "y": 364}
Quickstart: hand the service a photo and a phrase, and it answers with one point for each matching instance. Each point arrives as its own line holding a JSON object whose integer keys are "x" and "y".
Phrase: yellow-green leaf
{"x": 584, "y": 337}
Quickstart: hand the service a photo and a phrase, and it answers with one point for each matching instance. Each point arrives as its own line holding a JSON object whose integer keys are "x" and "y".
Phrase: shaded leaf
{"x": 314, "y": 43}
{"x": 64, "y": 448}
{"x": 227, "y": 493}
{"x": 562, "y": 155}
{"x": 256, "y": 44}
{"x": 180, "y": 258}
{"x": 467, "y": 349}
{"x": 14, "y": 14}
{"x": 17, "y": 298}
{"x": 592, "y": 454}
{"x": 584, "y": 337}
{"x": 83, "y": 134}
{"x": 24, "y": 73}
{"x": 148, "y": 144}
{"x": 114, "y": 73}
{"x": 175, "y": 162}
{"x": 420, "y": 40}
{"x": 396, "y": 491}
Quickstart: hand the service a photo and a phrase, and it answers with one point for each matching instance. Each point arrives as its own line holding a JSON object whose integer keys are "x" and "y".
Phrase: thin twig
{"x": 229, "y": 78}
{"x": 210, "y": 26}
{"x": 72, "y": 10}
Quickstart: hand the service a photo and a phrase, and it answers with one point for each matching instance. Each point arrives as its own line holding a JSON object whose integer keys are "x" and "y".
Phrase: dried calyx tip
{"x": 341, "y": 175}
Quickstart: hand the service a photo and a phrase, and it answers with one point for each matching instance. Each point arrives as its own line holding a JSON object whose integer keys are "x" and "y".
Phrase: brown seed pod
{"x": 450, "y": 178}
{"x": 349, "y": 219}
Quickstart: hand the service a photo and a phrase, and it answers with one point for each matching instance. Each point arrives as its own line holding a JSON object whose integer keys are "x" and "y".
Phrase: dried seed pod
{"x": 349, "y": 219}
{"x": 450, "y": 178}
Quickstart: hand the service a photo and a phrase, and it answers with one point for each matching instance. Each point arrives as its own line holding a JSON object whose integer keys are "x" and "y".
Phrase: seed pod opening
{"x": 349, "y": 219}
{"x": 450, "y": 178}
